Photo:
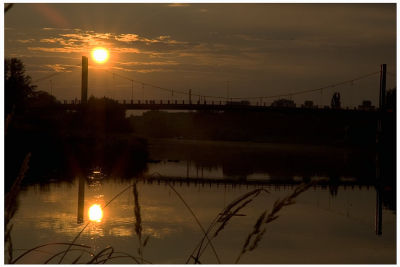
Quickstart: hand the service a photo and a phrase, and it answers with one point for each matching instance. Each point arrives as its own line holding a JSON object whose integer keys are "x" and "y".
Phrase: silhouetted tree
{"x": 8, "y": 7}
{"x": 17, "y": 85}
{"x": 283, "y": 103}
{"x": 42, "y": 99}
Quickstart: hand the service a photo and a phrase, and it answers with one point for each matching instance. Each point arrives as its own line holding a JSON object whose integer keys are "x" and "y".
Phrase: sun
{"x": 100, "y": 54}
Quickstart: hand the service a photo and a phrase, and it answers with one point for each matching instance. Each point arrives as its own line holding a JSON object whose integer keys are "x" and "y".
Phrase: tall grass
{"x": 259, "y": 228}
{"x": 221, "y": 220}
{"x": 138, "y": 223}
{"x": 10, "y": 206}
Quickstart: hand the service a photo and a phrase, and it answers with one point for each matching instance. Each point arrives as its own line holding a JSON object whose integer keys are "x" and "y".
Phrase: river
{"x": 160, "y": 215}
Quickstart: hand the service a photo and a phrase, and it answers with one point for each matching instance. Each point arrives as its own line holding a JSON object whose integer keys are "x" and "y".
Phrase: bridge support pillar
{"x": 84, "y": 80}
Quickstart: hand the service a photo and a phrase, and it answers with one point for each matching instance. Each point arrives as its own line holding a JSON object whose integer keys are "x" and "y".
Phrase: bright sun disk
{"x": 100, "y": 54}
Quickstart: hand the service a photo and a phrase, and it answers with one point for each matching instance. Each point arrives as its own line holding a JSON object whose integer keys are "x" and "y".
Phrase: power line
{"x": 316, "y": 89}
{"x": 159, "y": 87}
{"x": 54, "y": 74}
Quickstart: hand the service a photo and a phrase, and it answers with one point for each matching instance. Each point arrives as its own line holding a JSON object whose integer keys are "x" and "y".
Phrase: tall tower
{"x": 382, "y": 91}
{"x": 84, "y": 80}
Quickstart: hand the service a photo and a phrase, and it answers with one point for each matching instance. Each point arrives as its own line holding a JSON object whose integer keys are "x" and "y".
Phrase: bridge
{"x": 219, "y": 103}
{"x": 210, "y": 106}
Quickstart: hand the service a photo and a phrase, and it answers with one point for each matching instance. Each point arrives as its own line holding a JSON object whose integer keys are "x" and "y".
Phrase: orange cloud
{"x": 58, "y": 49}
{"x": 129, "y": 37}
{"x": 60, "y": 67}
{"x": 126, "y": 50}
{"x": 26, "y": 41}
{"x": 178, "y": 5}
{"x": 158, "y": 63}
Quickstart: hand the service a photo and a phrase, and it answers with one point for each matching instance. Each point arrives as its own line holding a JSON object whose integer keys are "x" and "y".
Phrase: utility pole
{"x": 113, "y": 88}
{"x": 382, "y": 101}
{"x": 382, "y": 92}
{"x": 227, "y": 90}
{"x": 84, "y": 87}
{"x": 132, "y": 92}
{"x": 51, "y": 87}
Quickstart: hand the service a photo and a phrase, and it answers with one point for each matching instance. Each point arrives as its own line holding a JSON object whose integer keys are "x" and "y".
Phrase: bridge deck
{"x": 211, "y": 107}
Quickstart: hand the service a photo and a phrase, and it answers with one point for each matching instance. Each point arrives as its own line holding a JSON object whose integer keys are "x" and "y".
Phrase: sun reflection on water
{"x": 95, "y": 213}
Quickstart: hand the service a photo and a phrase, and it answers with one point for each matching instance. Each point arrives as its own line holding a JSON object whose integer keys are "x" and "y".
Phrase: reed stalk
{"x": 197, "y": 221}
{"x": 259, "y": 228}
{"x": 138, "y": 221}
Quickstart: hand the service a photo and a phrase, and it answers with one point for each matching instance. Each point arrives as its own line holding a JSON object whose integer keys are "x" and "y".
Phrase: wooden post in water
{"x": 81, "y": 199}
{"x": 378, "y": 214}
{"x": 84, "y": 80}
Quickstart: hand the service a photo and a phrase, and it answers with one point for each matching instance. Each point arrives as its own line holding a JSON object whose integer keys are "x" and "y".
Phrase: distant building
{"x": 366, "y": 105}
{"x": 283, "y": 103}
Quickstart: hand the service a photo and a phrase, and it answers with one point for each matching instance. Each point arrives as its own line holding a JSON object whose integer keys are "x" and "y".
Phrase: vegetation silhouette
{"x": 355, "y": 129}
{"x": 335, "y": 101}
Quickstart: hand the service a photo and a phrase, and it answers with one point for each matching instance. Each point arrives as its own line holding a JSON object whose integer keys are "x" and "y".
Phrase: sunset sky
{"x": 261, "y": 49}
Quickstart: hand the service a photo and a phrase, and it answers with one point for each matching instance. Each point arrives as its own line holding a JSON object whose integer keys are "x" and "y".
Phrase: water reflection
{"x": 340, "y": 223}
{"x": 243, "y": 160}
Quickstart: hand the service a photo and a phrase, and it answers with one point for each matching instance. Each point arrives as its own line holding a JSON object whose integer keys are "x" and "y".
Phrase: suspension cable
{"x": 351, "y": 81}
{"x": 54, "y": 74}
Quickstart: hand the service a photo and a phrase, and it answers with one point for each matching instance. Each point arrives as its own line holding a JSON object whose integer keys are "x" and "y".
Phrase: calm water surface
{"x": 334, "y": 222}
